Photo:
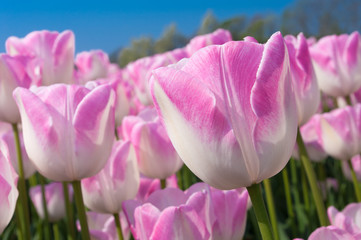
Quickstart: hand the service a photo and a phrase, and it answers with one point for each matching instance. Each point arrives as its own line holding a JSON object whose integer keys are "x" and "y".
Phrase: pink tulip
{"x": 230, "y": 208}
{"x": 339, "y": 131}
{"x": 312, "y": 141}
{"x": 303, "y": 77}
{"x": 53, "y": 53}
{"x": 149, "y": 185}
{"x": 218, "y": 37}
{"x": 92, "y": 65}
{"x": 348, "y": 219}
{"x": 116, "y": 182}
{"x": 54, "y": 197}
{"x": 337, "y": 63}
{"x": 155, "y": 153}
{"x": 102, "y": 226}
{"x": 331, "y": 233}
{"x": 356, "y": 165}
{"x": 230, "y": 111}
{"x": 13, "y": 74}
{"x": 7, "y": 147}
{"x": 68, "y": 130}
{"x": 8, "y": 192}
{"x": 168, "y": 214}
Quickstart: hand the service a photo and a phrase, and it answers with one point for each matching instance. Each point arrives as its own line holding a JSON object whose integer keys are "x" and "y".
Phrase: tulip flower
{"x": 339, "y": 131}
{"x": 155, "y": 153}
{"x": 68, "y": 130}
{"x": 356, "y": 165}
{"x": 54, "y": 196}
{"x": 337, "y": 63}
{"x": 331, "y": 233}
{"x": 8, "y": 192}
{"x": 7, "y": 147}
{"x": 348, "y": 219}
{"x": 303, "y": 77}
{"x": 53, "y": 53}
{"x": 168, "y": 214}
{"x": 13, "y": 74}
{"x": 102, "y": 226}
{"x": 92, "y": 65}
{"x": 218, "y": 37}
{"x": 235, "y": 122}
{"x": 116, "y": 182}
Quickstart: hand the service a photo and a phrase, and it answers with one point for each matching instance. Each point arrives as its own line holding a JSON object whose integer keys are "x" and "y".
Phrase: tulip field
{"x": 218, "y": 140}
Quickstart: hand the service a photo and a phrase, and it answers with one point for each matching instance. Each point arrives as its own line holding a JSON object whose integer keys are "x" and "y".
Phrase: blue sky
{"x": 109, "y": 24}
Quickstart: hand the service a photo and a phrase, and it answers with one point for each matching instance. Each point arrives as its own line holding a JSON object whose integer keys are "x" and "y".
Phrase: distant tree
{"x": 169, "y": 40}
{"x": 209, "y": 24}
{"x": 139, "y": 48}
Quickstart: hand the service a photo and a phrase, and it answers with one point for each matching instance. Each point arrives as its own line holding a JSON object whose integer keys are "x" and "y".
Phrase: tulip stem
{"x": 306, "y": 198}
{"x": 56, "y": 231}
{"x": 310, "y": 173}
{"x": 81, "y": 210}
{"x": 118, "y": 225}
{"x": 45, "y": 208}
{"x": 163, "y": 183}
{"x": 348, "y": 100}
{"x": 271, "y": 207}
{"x": 286, "y": 183}
{"x": 69, "y": 212}
{"x": 264, "y": 224}
{"x": 23, "y": 197}
{"x": 355, "y": 182}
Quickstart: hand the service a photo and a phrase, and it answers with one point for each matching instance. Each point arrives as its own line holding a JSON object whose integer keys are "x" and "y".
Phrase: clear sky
{"x": 109, "y": 24}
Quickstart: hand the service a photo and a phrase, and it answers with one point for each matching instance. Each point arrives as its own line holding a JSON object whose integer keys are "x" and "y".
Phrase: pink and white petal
{"x": 179, "y": 223}
{"x": 199, "y": 132}
{"x": 273, "y": 102}
{"x": 167, "y": 197}
{"x": 146, "y": 217}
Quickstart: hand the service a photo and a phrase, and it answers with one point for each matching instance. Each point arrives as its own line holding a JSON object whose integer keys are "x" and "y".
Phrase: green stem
{"x": 264, "y": 224}
{"x": 23, "y": 196}
{"x": 119, "y": 227}
{"x": 116, "y": 134}
{"x": 180, "y": 180}
{"x": 69, "y": 212}
{"x": 306, "y": 198}
{"x": 316, "y": 193}
{"x": 286, "y": 183}
{"x": 45, "y": 208}
{"x": 163, "y": 183}
{"x": 81, "y": 210}
{"x": 348, "y": 100}
{"x": 20, "y": 229}
{"x": 56, "y": 232}
{"x": 355, "y": 182}
{"x": 271, "y": 207}
{"x": 293, "y": 171}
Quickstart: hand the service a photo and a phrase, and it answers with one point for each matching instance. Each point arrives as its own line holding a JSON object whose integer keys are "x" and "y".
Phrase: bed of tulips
{"x": 269, "y": 134}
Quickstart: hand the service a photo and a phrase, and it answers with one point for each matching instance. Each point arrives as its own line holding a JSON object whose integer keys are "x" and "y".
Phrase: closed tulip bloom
{"x": 332, "y": 233}
{"x": 230, "y": 111}
{"x": 337, "y": 63}
{"x": 149, "y": 185}
{"x": 54, "y": 197}
{"x": 116, "y": 182}
{"x": 155, "y": 153}
{"x": 218, "y": 37}
{"x": 102, "y": 226}
{"x": 348, "y": 220}
{"x": 339, "y": 131}
{"x": 312, "y": 141}
{"x": 7, "y": 147}
{"x": 356, "y": 165}
{"x": 303, "y": 77}
{"x": 53, "y": 51}
{"x": 8, "y": 192}
{"x": 168, "y": 214}
{"x": 92, "y": 65}
{"x": 68, "y": 130}
{"x": 12, "y": 74}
